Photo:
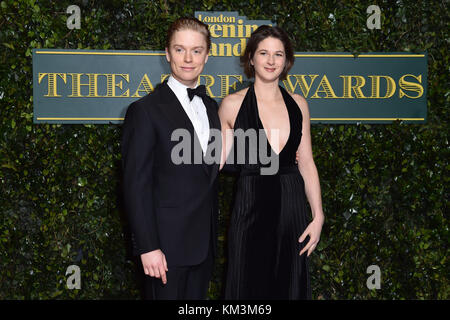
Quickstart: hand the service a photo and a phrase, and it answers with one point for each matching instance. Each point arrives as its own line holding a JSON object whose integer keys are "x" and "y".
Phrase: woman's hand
{"x": 313, "y": 230}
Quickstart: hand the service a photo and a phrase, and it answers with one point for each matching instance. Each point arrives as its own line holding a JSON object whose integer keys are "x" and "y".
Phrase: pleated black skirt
{"x": 268, "y": 218}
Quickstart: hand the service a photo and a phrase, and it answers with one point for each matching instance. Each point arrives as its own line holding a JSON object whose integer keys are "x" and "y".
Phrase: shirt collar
{"x": 178, "y": 88}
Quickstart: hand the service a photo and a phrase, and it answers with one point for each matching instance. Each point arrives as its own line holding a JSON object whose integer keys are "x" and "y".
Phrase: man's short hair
{"x": 187, "y": 23}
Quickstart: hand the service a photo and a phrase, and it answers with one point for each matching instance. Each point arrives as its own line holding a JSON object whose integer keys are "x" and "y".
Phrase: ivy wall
{"x": 384, "y": 187}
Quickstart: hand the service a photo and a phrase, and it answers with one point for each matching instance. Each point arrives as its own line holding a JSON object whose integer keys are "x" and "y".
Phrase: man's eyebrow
{"x": 180, "y": 45}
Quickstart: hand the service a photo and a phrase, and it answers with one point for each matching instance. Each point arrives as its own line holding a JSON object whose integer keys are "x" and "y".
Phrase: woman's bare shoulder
{"x": 301, "y": 102}
{"x": 298, "y": 98}
{"x": 233, "y": 101}
{"x": 235, "y": 98}
{"x": 230, "y": 105}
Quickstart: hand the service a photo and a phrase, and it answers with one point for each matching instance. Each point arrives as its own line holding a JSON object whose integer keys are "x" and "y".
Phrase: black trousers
{"x": 183, "y": 283}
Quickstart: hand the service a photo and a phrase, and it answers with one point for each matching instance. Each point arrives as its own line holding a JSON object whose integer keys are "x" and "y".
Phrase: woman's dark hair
{"x": 259, "y": 35}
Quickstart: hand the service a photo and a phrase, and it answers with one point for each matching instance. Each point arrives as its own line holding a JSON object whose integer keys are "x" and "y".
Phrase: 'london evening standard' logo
{"x": 97, "y": 86}
{"x": 229, "y": 31}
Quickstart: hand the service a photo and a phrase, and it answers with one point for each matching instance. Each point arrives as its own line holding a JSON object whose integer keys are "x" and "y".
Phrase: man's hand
{"x": 155, "y": 264}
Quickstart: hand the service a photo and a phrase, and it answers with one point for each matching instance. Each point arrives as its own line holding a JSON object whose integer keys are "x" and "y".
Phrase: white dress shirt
{"x": 195, "y": 110}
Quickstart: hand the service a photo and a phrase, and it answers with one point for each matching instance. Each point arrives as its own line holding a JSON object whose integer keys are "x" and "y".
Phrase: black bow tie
{"x": 199, "y": 91}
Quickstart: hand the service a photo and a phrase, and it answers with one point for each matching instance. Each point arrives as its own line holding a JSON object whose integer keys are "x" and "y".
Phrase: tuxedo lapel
{"x": 214, "y": 123}
{"x": 175, "y": 113}
{"x": 213, "y": 117}
{"x": 173, "y": 110}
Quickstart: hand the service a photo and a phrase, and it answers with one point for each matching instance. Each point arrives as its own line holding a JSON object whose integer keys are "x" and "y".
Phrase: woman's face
{"x": 269, "y": 59}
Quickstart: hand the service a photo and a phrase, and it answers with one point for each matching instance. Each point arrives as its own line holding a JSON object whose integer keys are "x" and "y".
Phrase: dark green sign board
{"x": 97, "y": 86}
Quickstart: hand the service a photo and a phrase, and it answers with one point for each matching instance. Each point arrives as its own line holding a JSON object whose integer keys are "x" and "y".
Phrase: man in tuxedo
{"x": 173, "y": 208}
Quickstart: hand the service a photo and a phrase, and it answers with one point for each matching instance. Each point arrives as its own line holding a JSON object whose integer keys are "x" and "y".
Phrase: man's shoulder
{"x": 144, "y": 105}
{"x": 148, "y": 101}
{"x": 154, "y": 96}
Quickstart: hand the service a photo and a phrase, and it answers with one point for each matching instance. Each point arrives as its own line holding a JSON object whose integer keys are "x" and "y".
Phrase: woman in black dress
{"x": 270, "y": 237}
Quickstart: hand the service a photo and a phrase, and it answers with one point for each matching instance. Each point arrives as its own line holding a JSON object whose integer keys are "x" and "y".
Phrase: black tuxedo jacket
{"x": 170, "y": 207}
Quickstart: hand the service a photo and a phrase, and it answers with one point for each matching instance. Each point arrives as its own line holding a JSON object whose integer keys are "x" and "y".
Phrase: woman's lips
{"x": 270, "y": 69}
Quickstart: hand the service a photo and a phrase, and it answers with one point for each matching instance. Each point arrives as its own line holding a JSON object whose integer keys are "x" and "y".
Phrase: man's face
{"x": 187, "y": 56}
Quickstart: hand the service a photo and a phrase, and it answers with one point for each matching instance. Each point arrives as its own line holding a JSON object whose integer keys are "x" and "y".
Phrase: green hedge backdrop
{"x": 384, "y": 187}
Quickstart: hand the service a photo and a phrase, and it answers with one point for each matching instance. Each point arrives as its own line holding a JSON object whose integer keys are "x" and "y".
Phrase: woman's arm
{"x": 227, "y": 132}
{"x": 310, "y": 175}
{"x": 227, "y": 113}
{"x": 307, "y": 166}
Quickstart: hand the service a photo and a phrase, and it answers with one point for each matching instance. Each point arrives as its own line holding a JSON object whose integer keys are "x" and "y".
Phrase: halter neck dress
{"x": 269, "y": 215}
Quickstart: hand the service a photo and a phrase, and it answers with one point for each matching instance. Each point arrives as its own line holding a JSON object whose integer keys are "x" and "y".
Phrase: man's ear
{"x": 167, "y": 55}
{"x": 207, "y": 56}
